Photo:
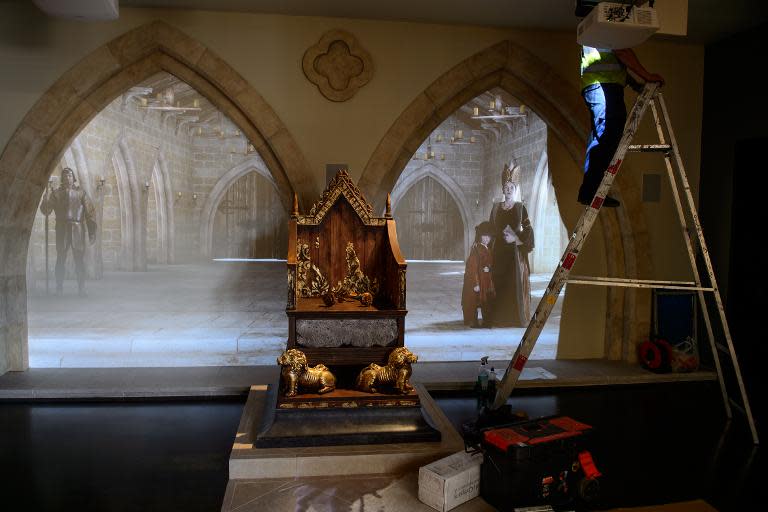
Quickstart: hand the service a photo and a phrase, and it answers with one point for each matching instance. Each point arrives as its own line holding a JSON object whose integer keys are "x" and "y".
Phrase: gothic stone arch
{"x": 74, "y": 99}
{"x": 217, "y": 194}
{"x": 166, "y": 231}
{"x": 131, "y": 221}
{"x": 557, "y": 102}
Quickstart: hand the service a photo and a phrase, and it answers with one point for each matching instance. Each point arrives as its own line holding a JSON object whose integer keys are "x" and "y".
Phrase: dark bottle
{"x": 492, "y": 384}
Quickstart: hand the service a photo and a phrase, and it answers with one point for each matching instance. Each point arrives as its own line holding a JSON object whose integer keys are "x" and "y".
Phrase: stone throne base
{"x": 248, "y": 461}
{"x": 343, "y": 417}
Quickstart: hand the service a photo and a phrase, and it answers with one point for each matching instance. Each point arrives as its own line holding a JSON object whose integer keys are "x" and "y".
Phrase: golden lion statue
{"x": 295, "y": 373}
{"x": 396, "y": 374}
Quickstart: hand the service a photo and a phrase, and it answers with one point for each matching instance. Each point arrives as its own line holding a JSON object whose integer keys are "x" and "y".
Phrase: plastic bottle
{"x": 492, "y": 383}
{"x": 481, "y": 385}
{"x": 482, "y": 374}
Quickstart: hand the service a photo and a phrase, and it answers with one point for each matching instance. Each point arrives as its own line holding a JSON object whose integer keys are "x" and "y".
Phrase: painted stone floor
{"x": 233, "y": 313}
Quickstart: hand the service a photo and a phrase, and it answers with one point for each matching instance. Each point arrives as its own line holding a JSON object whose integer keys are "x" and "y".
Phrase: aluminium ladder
{"x": 649, "y": 96}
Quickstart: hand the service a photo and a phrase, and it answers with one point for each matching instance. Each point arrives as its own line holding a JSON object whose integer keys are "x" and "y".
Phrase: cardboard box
{"x": 451, "y": 481}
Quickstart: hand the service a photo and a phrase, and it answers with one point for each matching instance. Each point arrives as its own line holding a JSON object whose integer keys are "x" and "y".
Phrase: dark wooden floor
{"x": 655, "y": 444}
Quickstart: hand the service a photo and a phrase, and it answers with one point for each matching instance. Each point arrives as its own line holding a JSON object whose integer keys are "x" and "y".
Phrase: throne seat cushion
{"x": 338, "y": 332}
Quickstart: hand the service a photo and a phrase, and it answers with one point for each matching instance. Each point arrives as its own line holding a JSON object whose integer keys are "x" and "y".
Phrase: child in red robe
{"x": 478, "y": 291}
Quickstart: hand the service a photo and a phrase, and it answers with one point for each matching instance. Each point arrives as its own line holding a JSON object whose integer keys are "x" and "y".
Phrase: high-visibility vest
{"x": 601, "y": 66}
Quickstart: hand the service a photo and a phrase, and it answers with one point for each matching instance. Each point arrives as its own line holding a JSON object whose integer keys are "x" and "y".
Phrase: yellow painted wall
{"x": 267, "y": 50}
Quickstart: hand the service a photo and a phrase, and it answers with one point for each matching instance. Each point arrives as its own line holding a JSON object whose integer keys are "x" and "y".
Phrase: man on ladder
{"x": 604, "y": 74}
{"x": 690, "y": 226}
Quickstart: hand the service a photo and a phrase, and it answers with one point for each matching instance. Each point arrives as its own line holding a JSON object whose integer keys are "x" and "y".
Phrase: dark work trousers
{"x": 606, "y": 104}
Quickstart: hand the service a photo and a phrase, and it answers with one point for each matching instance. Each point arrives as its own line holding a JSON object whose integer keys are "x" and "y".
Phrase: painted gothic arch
{"x": 131, "y": 221}
{"x": 211, "y": 205}
{"x": 83, "y": 91}
{"x": 557, "y": 102}
{"x": 166, "y": 229}
{"x": 430, "y": 170}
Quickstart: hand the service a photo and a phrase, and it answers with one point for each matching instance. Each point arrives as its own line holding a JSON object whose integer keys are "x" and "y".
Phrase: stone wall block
{"x": 15, "y": 334}
{"x": 477, "y": 87}
{"x": 402, "y": 160}
{"x": 52, "y": 107}
{"x": 93, "y": 70}
{"x": 17, "y": 156}
{"x": 380, "y": 160}
{"x": 58, "y": 142}
{"x": 136, "y": 44}
{"x": 259, "y": 112}
{"x": 284, "y": 187}
{"x": 449, "y": 84}
{"x": 6, "y": 179}
{"x": 567, "y": 95}
{"x": 220, "y": 73}
{"x": 547, "y": 112}
{"x": 524, "y": 65}
{"x": 22, "y": 193}
{"x": 119, "y": 83}
{"x": 177, "y": 44}
{"x": 419, "y": 136}
{"x": 294, "y": 163}
{"x": 13, "y": 255}
{"x": 410, "y": 120}
{"x": 215, "y": 95}
{"x": 13, "y": 328}
{"x": 490, "y": 60}
{"x": 14, "y": 291}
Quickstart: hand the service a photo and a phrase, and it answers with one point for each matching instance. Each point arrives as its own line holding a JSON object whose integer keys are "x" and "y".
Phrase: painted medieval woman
{"x": 513, "y": 241}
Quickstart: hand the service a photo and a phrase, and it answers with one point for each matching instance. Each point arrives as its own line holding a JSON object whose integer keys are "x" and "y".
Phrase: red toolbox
{"x": 544, "y": 461}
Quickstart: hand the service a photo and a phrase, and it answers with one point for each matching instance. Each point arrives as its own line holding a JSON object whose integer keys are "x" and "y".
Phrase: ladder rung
{"x": 722, "y": 348}
{"x": 642, "y": 285}
{"x": 628, "y": 280}
{"x": 636, "y": 283}
{"x": 649, "y": 148}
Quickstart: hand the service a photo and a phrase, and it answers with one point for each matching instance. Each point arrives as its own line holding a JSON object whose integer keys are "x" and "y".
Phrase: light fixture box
{"x": 447, "y": 483}
{"x": 613, "y": 25}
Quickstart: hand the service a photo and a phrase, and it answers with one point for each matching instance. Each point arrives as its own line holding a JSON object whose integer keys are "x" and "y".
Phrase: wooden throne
{"x": 346, "y": 310}
{"x": 322, "y": 248}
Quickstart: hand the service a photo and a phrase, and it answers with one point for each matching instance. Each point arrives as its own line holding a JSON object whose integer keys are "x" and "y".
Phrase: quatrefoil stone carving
{"x": 337, "y": 65}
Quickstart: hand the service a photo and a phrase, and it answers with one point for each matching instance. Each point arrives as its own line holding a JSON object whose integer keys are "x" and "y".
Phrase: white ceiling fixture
{"x": 458, "y": 137}
{"x": 166, "y": 101}
{"x": 214, "y": 131}
{"x": 497, "y": 110}
{"x": 82, "y": 10}
{"x": 430, "y": 154}
{"x": 249, "y": 150}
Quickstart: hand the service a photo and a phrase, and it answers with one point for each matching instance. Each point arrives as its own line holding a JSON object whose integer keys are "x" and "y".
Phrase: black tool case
{"x": 544, "y": 461}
